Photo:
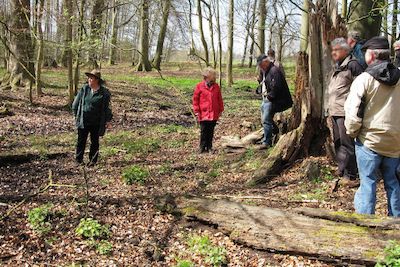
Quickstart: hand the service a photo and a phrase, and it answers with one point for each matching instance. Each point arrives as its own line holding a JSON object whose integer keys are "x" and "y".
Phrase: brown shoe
{"x": 350, "y": 183}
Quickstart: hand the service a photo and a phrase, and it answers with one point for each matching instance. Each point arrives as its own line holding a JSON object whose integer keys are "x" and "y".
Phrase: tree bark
{"x": 253, "y": 41}
{"x": 394, "y": 23}
{"x": 211, "y": 28}
{"x": 229, "y": 64}
{"x": 144, "y": 63}
{"x": 366, "y": 17}
{"x": 96, "y": 24}
{"x": 344, "y": 9}
{"x": 269, "y": 229}
{"x": 114, "y": 34}
{"x": 203, "y": 39}
{"x": 217, "y": 4}
{"x": 68, "y": 50}
{"x": 308, "y": 130}
{"x": 20, "y": 67}
{"x": 304, "y": 26}
{"x": 161, "y": 36}
{"x": 39, "y": 57}
{"x": 261, "y": 26}
{"x": 78, "y": 52}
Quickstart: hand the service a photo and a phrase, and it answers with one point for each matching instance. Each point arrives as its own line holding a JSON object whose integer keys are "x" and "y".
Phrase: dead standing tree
{"x": 308, "y": 129}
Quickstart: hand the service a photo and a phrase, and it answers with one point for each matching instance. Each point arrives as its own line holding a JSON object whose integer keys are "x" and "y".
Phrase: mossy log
{"x": 290, "y": 233}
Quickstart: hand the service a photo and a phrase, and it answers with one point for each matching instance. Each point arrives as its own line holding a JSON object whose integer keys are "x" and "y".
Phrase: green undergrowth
{"x": 135, "y": 175}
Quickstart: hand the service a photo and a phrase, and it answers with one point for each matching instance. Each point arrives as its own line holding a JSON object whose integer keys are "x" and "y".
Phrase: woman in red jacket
{"x": 207, "y": 106}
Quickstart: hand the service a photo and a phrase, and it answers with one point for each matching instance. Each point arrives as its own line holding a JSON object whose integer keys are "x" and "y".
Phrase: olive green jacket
{"x": 81, "y": 104}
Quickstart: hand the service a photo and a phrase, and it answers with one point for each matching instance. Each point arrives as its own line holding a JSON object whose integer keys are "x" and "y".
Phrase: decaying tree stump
{"x": 307, "y": 128}
{"x": 292, "y": 233}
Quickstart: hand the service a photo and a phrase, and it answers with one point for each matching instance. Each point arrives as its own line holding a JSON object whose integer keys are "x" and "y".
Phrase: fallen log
{"x": 290, "y": 233}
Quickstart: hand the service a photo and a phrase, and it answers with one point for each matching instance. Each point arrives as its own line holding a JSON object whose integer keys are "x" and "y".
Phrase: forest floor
{"x": 153, "y": 142}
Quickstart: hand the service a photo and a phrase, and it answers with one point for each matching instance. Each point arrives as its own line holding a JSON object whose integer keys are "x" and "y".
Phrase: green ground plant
{"x": 91, "y": 229}
{"x": 202, "y": 245}
{"x": 39, "y": 219}
{"x": 135, "y": 174}
{"x": 184, "y": 263}
{"x": 392, "y": 255}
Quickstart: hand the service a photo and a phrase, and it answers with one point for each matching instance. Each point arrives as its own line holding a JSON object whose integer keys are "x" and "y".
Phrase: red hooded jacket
{"x": 207, "y": 102}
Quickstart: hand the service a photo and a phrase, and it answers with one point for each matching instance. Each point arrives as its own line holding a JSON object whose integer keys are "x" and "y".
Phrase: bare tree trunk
{"x": 78, "y": 52}
{"x": 229, "y": 78}
{"x": 96, "y": 30}
{"x": 304, "y": 31}
{"x": 246, "y": 40}
{"x": 344, "y": 9}
{"x": 385, "y": 25}
{"x": 114, "y": 34}
{"x": 144, "y": 63}
{"x": 203, "y": 39}
{"x": 219, "y": 42}
{"x": 211, "y": 28}
{"x": 39, "y": 58}
{"x": 20, "y": 67}
{"x": 261, "y": 26}
{"x": 366, "y": 17}
{"x": 253, "y": 24}
{"x": 161, "y": 37}
{"x": 394, "y": 23}
{"x": 68, "y": 52}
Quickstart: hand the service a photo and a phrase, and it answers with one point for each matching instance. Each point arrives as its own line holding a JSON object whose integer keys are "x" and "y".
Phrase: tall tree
{"x": 252, "y": 35}
{"x": 96, "y": 24}
{"x": 161, "y": 36}
{"x": 40, "y": 44}
{"x": 262, "y": 8}
{"x": 304, "y": 26}
{"x": 247, "y": 28}
{"x": 366, "y": 17}
{"x": 203, "y": 39}
{"x": 20, "y": 67}
{"x": 394, "y": 23}
{"x": 144, "y": 63}
{"x": 68, "y": 44}
{"x": 344, "y": 9}
{"x": 229, "y": 78}
{"x": 217, "y": 4}
{"x": 79, "y": 48}
{"x": 114, "y": 33}
{"x": 211, "y": 29}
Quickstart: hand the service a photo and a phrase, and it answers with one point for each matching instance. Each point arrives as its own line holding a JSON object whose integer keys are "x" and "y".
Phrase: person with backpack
{"x": 345, "y": 71}
{"x": 372, "y": 117}
{"x": 91, "y": 108}
{"x": 355, "y": 42}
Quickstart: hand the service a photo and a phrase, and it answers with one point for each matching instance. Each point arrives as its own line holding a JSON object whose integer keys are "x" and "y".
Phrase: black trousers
{"x": 344, "y": 148}
{"x": 94, "y": 143}
{"x": 206, "y": 135}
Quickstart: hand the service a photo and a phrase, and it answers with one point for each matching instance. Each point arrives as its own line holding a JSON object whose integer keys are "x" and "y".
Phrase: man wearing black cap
{"x": 275, "y": 93}
{"x": 372, "y": 118}
{"x": 93, "y": 115}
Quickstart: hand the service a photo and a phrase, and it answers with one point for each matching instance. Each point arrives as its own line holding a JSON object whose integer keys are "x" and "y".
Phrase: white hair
{"x": 207, "y": 71}
{"x": 396, "y": 44}
{"x": 380, "y": 54}
{"x": 341, "y": 42}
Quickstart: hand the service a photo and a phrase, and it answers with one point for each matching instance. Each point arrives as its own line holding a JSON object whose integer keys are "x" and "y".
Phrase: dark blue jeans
{"x": 267, "y": 120}
{"x": 94, "y": 143}
{"x": 369, "y": 163}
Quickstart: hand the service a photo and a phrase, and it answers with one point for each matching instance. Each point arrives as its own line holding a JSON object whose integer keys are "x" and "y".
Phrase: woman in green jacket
{"x": 93, "y": 115}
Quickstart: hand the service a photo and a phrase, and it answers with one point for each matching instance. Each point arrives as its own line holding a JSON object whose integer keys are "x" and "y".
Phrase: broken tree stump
{"x": 286, "y": 232}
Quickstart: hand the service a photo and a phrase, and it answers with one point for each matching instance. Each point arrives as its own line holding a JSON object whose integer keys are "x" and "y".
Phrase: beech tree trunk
{"x": 20, "y": 68}
{"x": 114, "y": 34}
{"x": 68, "y": 51}
{"x": 144, "y": 63}
{"x": 252, "y": 35}
{"x": 40, "y": 44}
{"x": 308, "y": 129}
{"x": 304, "y": 26}
{"x": 394, "y": 23}
{"x": 229, "y": 76}
{"x": 161, "y": 37}
{"x": 366, "y": 17}
{"x": 96, "y": 24}
{"x": 203, "y": 39}
{"x": 261, "y": 26}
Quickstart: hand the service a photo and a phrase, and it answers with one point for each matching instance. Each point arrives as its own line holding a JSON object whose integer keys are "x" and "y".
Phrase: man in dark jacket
{"x": 275, "y": 92}
{"x": 93, "y": 115}
{"x": 346, "y": 70}
{"x": 355, "y": 42}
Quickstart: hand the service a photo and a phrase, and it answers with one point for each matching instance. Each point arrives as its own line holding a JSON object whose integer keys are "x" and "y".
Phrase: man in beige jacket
{"x": 373, "y": 118}
{"x": 346, "y": 70}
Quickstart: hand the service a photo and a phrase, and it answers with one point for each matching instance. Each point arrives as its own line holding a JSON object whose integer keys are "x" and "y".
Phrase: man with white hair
{"x": 372, "y": 117}
{"x": 346, "y": 69}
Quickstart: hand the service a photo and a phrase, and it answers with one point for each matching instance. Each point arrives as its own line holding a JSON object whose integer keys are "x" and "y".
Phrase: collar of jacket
{"x": 384, "y": 71}
{"x": 340, "y": 66}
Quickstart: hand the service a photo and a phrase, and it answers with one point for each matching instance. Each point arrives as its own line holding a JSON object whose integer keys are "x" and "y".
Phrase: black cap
{"x": 260, "y": 58}
{"x": 377, "y": 42}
